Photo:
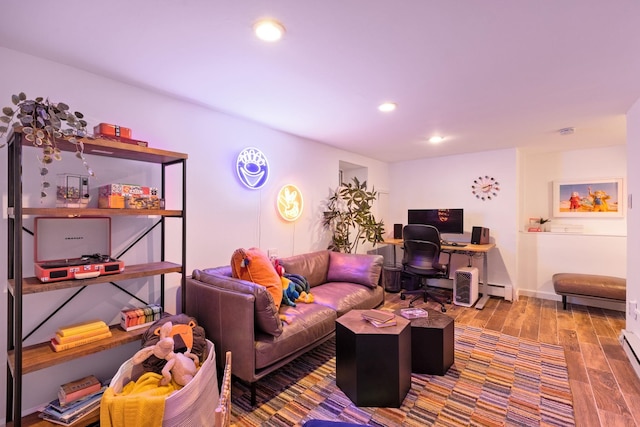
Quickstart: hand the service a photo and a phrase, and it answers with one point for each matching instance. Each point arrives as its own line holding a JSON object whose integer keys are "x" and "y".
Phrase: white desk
{"x": 469, "y": 250}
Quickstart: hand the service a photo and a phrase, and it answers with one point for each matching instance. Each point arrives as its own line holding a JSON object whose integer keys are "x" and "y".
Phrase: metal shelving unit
{"x": 24, "y": 359}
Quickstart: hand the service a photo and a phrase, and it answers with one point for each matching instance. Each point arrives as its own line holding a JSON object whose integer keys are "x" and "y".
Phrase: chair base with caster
{"x": 426, "y": 295}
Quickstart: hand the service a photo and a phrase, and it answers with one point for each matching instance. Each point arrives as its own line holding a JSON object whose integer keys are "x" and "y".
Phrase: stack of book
{"x": 135, "y": 318}
{"x": 79, "y": 334}
{"x": 76, "y": 399}
{"x": 379, "y": 318}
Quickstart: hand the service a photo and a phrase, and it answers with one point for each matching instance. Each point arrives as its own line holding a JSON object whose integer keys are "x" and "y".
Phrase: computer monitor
{"x": 447, "y": 221}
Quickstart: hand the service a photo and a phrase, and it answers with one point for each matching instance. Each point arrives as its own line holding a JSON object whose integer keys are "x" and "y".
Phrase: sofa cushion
{"x": 344, "y": 296}
{"x": 255, "y": 266}
{"x": 308, "y": 324}
{"x": 355, "y": 268}
{"x": 313, "y": 266}
{"x": 267, "y": 318}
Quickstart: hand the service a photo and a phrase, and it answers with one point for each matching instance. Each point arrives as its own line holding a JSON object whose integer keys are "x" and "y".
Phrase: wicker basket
{"x": 194, "y": 404}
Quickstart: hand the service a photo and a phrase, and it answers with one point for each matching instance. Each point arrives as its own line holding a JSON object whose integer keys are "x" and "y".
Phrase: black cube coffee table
{"x": 432, "y": 343}
{"x": 373, "y": 365}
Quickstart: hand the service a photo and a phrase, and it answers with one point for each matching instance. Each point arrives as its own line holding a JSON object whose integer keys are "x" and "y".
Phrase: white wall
{"x": 221, "y": 215}
{"x": 600, "y": 249}
{"x": 445, "y": 182}
{"x": 633, "y": 243}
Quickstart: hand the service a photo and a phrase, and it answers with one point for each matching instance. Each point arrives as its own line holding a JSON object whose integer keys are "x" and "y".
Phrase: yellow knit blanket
{"x": 140, "y": 404}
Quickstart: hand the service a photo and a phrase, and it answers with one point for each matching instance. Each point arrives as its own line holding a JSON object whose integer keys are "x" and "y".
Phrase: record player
{"x": 62, "y": 245}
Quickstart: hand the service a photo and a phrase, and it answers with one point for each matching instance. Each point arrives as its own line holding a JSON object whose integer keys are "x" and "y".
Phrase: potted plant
{"x": 350, "y": 219}
{"x": 42, "y": 123}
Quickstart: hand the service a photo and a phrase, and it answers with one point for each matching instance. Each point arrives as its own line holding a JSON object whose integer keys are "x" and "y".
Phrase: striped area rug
{"x": 496, "y": 380}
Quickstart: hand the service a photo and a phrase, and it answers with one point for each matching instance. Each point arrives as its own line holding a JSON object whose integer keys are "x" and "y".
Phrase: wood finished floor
{"x": 606, "y": 389}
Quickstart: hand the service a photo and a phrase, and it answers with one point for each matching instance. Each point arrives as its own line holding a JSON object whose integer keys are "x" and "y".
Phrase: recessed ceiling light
{"x": 436, "y": 139}
{"x": 269, "y": 30}
{"x": 387, "y": 106}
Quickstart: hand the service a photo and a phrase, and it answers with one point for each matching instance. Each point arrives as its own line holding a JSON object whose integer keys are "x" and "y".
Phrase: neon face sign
{"x": 252, "y": 168}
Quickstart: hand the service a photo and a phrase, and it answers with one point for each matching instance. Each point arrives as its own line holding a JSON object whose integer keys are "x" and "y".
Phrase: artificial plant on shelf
{"x": 43, "y": 123}
{"x": 542, "y": 221}
{"x": 349, "y": 217}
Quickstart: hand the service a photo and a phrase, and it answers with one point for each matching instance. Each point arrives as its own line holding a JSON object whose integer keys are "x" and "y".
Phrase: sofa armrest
{"x": 228, "y": 319}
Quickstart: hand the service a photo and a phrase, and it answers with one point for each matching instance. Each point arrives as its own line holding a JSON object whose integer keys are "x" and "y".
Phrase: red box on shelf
{"x": 108, "y": 129}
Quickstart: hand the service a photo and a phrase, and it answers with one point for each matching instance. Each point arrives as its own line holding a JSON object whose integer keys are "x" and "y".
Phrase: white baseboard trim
{"x": 502, "y": 291}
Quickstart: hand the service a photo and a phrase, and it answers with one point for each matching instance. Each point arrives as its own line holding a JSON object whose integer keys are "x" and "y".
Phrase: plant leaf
{"x": 8, "y": 111}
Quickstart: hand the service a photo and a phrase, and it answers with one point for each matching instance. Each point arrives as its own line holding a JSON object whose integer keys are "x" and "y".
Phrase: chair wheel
{"x": 443, "y": 309}
{"x": 403, "y": 297}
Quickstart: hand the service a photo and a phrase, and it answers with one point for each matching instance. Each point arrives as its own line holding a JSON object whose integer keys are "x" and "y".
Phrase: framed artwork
{"x": 596, "y": 198}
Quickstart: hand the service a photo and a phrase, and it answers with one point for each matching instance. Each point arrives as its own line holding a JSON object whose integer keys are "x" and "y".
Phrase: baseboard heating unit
{"x": 631, "y": 346}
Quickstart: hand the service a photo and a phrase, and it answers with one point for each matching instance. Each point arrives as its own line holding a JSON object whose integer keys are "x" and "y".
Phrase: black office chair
{"x": 421, "y": 259}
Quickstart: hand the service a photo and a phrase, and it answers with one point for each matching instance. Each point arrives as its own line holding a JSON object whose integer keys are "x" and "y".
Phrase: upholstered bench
{"x": 589, "y": 285}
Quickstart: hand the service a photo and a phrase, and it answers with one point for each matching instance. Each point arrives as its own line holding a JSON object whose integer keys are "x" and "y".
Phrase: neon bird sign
{"x": 290, "y": 202}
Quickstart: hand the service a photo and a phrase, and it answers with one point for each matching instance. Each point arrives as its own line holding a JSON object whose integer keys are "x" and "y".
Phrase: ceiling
{"x": 486, "y": 74}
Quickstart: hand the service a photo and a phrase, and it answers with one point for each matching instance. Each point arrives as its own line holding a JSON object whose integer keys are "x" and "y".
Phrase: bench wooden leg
{"x": 564, "y": 302}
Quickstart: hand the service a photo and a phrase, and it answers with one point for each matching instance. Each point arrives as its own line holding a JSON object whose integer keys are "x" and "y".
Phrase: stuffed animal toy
{"x": 289, "y": 292}
{"x": 181, "y": 366}
{"x": 302, "y": 287}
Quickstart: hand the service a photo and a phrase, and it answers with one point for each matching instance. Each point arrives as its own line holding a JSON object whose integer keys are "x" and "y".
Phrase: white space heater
{"x": 465, "y": 286}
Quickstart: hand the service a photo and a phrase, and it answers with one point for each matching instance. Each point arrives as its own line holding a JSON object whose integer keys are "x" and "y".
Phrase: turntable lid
{"x": 67, "y": 238}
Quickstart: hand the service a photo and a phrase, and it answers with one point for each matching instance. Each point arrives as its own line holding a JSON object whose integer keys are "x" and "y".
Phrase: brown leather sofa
{"x": 239, "y": 316}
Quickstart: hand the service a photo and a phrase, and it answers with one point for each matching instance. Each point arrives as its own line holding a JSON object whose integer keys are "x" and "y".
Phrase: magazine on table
{"x": 383, "y": 324}
{"x": 379, "y": 316}
{"x": 413, "y": 313}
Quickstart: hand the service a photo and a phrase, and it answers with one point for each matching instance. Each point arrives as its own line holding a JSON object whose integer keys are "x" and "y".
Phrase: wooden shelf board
{"x": 33, "y": 420}
{"x": 41, "y": 356}
{"x": 31, "y": 285}
{"x": 78, "y": 212}
{"x": 110, "y": 148}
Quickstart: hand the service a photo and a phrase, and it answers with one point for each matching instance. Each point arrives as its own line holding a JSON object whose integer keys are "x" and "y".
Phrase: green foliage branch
{"x": 349, "y": 217}
{"x": 43, "y": 123}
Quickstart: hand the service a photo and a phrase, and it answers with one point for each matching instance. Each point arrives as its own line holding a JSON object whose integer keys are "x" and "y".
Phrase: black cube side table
{"x": 373, "y": 365}
{"x": 432, "y": 343}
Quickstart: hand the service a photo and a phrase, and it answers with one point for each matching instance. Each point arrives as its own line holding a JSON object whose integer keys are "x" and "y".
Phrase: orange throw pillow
{"x": 254, "y": 265}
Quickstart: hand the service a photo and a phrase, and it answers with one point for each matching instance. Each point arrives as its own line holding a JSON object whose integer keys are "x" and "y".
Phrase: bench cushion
{"x": 590, "y": 285}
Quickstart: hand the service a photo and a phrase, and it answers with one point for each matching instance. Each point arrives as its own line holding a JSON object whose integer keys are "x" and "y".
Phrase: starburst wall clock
{"x": 485, "y": 187}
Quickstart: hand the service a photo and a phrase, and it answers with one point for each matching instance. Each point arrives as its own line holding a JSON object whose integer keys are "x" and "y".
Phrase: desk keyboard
{"x": 456, "y": 244}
